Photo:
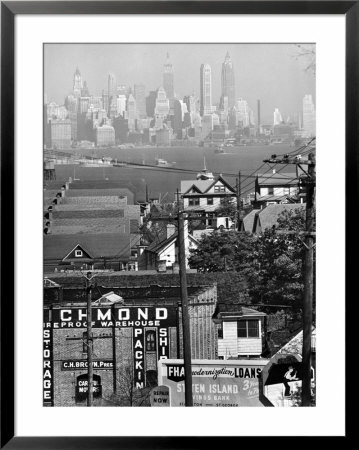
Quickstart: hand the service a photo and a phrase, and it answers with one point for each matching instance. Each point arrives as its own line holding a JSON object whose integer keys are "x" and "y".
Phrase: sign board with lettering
{"x": 82, "y": 364}
{"x": 160, "y": 396}
{"x": 118, "y": 317}
{"x": 214, "y": 382}
{"x": 48, "y": 369}
{"x": 82, "y": 387}
{"x": 281, "y": 378}
{"x": 150, "y": 327}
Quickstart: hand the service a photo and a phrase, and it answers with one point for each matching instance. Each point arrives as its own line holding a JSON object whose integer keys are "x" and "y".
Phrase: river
{"x": 246, "y": 159}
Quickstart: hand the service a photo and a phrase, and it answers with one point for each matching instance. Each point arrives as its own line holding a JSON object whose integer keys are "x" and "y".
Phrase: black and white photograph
{"x": 179, "y": 224}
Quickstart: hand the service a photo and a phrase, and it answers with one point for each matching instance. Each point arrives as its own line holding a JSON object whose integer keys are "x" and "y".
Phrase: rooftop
{"x": 111, "y": 245}
{"x": 269, "y": 215}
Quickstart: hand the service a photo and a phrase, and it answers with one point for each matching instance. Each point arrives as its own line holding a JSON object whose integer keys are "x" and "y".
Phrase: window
{"x": 219, "y": 189}
{"x": 151, "y": 378}
{"x": 150, "y": 341}
{"x": 248, "y": 328}
{"x": 193, "y": 202}
{"x": 210, "y": 201}
{"x": 270, "y": 191}
{"x": 220, "y": 332}
{"x": 78, "y": 253}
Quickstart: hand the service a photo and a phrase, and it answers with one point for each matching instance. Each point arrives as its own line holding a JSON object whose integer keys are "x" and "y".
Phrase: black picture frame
{"x": 9, "y": 10}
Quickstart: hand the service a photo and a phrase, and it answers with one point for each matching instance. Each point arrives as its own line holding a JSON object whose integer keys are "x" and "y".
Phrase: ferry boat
{"x": 162, "y": 163}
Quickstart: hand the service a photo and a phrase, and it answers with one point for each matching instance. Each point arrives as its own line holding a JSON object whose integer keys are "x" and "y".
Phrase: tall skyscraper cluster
{"x": 125, "y": 114}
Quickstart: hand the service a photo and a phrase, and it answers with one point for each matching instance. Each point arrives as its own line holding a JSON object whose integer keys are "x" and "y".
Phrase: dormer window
{"x": 219, "y": 188}
{"x": 78, "y": 254}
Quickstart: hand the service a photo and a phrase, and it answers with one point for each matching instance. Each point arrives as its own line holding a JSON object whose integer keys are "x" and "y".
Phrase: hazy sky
{"x": 269, "y": 72}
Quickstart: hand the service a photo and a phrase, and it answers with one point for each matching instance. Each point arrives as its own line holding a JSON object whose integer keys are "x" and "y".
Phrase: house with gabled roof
{"x": 260, "y": 219}
{"x": 204, "y": 196}
{"x": 88, "y": 251}
{"x": 162, "y": 253}
{"x": 275, "y": 188}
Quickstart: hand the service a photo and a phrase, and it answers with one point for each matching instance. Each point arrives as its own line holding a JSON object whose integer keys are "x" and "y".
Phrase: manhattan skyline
{"x": 272, "y": 73}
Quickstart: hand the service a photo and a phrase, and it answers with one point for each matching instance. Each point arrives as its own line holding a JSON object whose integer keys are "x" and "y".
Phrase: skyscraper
{"x": 77, "y": 86}
{"x": 111, "y": 85}
{"x": 259, "y": 115}
{"x": 111, "y": 92}
{"x": 243, "y": 112}
{"x": 180, "y": 108}
{"x": 162, "y": 103}
{"x": 168, "y": 80}
{"x": 277, "y": 117}
{"x": 228, "y": 87}
{"x": 308, "y": 116}
{"x": 205, "y": 89}
{"x": 139, "y": 91}
{"x": 131, "y": 112}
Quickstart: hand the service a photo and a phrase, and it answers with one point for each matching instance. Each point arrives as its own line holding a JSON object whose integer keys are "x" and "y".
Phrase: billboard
{"x": 220, "y": 383}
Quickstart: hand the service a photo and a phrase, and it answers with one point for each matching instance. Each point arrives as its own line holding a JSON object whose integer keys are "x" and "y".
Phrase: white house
{"x": 240, "y": 331}
{"x": 276, "y": 188}
{"x": 162, "y": 254}
{"x": 205, "y": 195}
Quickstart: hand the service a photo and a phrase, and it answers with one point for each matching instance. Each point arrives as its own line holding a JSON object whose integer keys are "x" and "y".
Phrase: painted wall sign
{"x": 134, "y": 316}
{"x": 214, "y": 382}
{"x": 138, "y": 358}
{"x": 82, "y": 387}
{"x": 80, "y": 364}
{"x": 48, "y": 370}
{"x": 139, "y": 318}
{"x": 160, "y": 396}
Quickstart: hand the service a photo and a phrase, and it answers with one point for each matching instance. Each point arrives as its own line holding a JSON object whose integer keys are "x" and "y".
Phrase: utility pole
{"x": 239, "y": 202}
{"x": 308, "y": 284}
{"x": 184, "y": 301}
{"x": 309, "y": 180}
{"x": 89, "y": 340}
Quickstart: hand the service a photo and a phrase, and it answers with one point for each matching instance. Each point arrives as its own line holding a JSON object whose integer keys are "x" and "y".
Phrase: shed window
{"x": 78, "y": 253}
{"x": 248, "y": 328}
{"x": 150, "y": 341}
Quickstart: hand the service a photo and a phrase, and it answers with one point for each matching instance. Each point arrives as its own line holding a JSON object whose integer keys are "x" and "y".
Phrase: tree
{"x": 271, "y": 263}
{"x": 127, "y": 393}
{"x": 307, "y": 53}
{"x": 227, "y": 208}
{"x": 275, "y": 272}
{"x": 277, "y": 266}
{"x": 222, "y": 251}
{"x": 154, "y": 229}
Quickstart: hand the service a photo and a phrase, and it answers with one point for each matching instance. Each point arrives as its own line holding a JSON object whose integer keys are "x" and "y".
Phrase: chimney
{"x": 171, "y": 229}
